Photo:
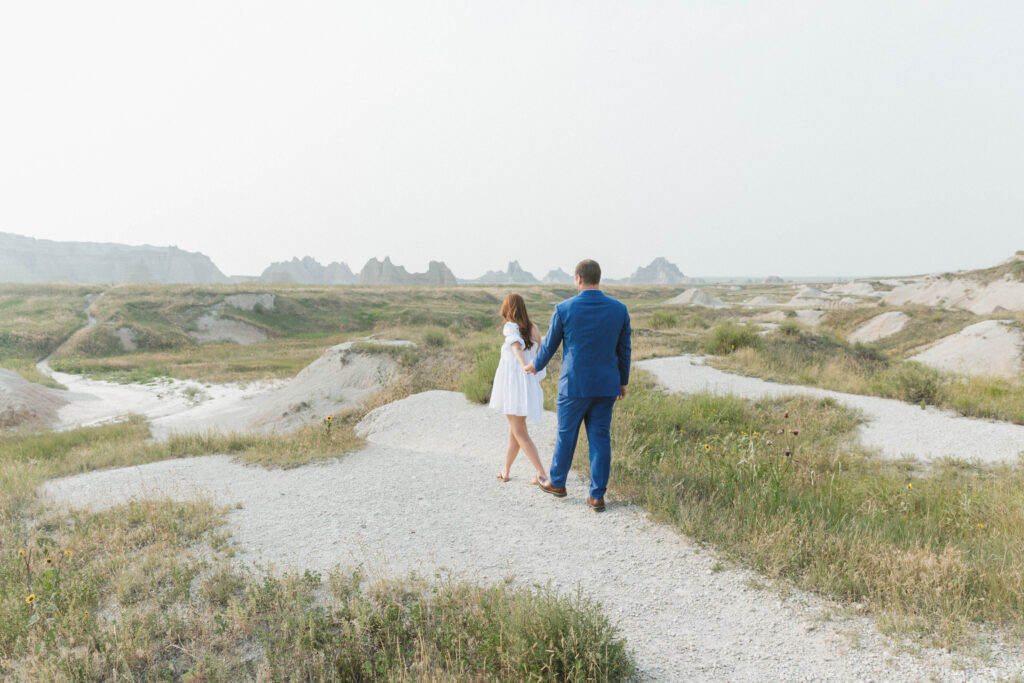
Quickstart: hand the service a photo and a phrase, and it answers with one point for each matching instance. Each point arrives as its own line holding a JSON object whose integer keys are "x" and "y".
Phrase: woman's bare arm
{"x": 517, "y": 349}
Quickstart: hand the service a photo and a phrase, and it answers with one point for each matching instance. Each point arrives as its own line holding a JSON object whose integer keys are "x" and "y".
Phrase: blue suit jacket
{"x": 595, "y": 330}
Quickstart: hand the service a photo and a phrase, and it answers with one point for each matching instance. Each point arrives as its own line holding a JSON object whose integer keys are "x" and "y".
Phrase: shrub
{"x": 789, "y": 328}
{"x": 728, "y": 337}
{"x": 476, "y": 383}
{"x": 436, "y": 337}
{"x": 663, "y": 320}
{"x": 912, "y": 382}
{"x": 866, "y": 354}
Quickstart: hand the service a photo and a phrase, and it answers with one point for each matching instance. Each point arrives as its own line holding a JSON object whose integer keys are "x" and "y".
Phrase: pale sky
{"x": 733, "y": 138}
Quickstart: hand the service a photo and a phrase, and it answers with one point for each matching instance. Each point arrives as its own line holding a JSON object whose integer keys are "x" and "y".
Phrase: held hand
{"x": 622, "y": 391}
{"x": 529, "y": 369}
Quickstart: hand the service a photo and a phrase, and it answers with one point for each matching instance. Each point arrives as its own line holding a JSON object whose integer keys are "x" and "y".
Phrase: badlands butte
{"x": 811, "y": 480}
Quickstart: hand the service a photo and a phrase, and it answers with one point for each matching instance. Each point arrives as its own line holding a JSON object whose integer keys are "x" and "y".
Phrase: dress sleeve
{"x": 511, "y": 332}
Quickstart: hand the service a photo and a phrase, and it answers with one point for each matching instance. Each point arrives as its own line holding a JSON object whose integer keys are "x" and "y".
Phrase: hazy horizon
{"x": 782, "y": 138}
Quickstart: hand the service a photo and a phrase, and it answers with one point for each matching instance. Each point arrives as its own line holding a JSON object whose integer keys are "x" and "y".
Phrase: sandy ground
{"x": 856, "y": 289}
{"x": 975, "y": 296}
{"x": 25, "y": 404}
{"x": 761, "y": 300}
{"x": 697, "y": 297}
{"x": 879, "y": 327}
{"x": 892, "y": 428}
{"x": 340, "y": 379}
{"x": 991, "y": 348}
{"x": 91, "y": 402}
{"x": 422, "y": 496}
{"x": 211, "y": 328}
{"x": 811, "y": 318}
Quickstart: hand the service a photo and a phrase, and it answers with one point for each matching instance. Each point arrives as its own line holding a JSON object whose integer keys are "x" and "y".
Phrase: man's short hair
{"x": 589, "y": 271}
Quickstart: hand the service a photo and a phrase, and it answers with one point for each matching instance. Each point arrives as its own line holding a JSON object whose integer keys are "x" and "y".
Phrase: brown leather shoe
{"x": 596, "y": 504}
{"x": 556, "y": 491}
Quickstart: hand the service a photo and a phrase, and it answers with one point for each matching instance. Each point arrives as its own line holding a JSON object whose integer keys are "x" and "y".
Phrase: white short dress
{"x": 515, "y": 392}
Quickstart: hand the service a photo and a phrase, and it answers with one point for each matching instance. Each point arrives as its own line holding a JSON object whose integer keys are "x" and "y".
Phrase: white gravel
{"x": 422, "y": 497}
{"x": 893, "y": 428}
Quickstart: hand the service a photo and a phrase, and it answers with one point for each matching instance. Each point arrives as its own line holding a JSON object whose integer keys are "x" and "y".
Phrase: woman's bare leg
{"x": 510, "y": 455}
{"x": 518, "y": 431}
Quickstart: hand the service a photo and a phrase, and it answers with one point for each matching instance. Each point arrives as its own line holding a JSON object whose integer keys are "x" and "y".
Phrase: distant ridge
{"x": 308, "y": 271}
{"x": 660, "y": 271}
{"x": 386, "y": 273}
{"x": 30, "y": 260}
{"x": 558, "y": 277}
{"x": 514, "y": 275}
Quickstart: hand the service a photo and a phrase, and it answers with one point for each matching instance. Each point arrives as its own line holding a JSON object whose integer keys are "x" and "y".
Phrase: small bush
{"x": 728, "y": 337}
{"x": 477, "y": 382}
{"x": 912, "y": 382}
{"x": 436, "y": 337}
{"x": 867, "y": 354}
{"x": 789, "y": 328}
{"x": 663, "y": 320}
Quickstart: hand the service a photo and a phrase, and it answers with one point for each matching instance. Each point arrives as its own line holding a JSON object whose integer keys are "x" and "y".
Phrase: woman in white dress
{"x": 515, "y": 393}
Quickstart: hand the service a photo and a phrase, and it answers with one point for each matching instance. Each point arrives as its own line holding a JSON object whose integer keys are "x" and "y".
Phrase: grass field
{"x": 783, "y": 486}
{"x": 932, "y": 551}
{"x": 795, "y": 356}
{"x": 34, "y": 321}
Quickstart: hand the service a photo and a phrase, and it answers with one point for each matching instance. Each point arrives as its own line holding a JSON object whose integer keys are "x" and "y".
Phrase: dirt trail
{"x": 894, "y": 428}
{"x": 422, "y": 496}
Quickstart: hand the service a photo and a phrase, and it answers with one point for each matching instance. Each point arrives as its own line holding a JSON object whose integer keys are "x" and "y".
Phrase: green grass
{"x": 727, "y": 337}
{"x": 35, "y": 320}
{"x": 33, "y": 374}
{"x": 477, "y": 382}
{"x": 801, "y": 357}
{"x": 933, "y": 552}
{"x": 219, "y": 362}
{"x": 26, "y": 460}
{"x": 436, "y": 336}
{"x": 302, "y": 322}
{"x": 662, "y": 320}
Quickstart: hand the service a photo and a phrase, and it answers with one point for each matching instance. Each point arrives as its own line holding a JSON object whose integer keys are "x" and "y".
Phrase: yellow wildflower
{"x": 707, "y": 447}
{"x": 30, "y": 599}
{"x": 22, "y": 552}
{"x": 67, "y": 553}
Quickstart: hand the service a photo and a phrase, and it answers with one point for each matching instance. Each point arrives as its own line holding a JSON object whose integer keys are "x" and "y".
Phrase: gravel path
{"x": 422, "y": 497}
{"x": 893, "y": 428}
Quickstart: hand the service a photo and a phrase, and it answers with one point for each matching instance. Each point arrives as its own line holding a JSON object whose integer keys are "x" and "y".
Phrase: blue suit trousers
{"x": 596, "y": 414}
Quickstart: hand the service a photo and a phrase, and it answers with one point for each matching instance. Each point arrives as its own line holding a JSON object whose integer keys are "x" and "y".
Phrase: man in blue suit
{"x": 595, "y": 371}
